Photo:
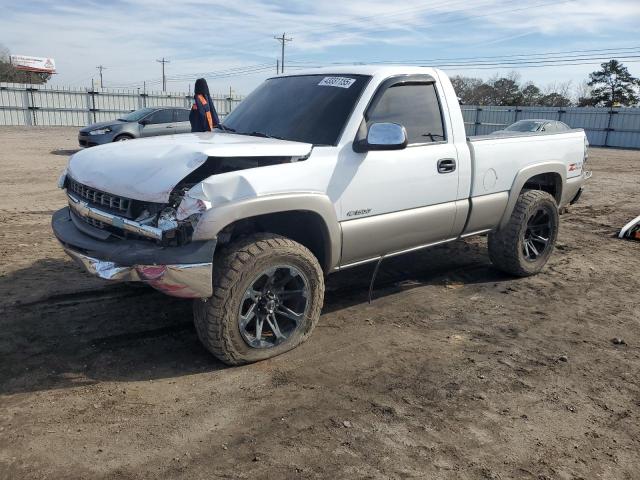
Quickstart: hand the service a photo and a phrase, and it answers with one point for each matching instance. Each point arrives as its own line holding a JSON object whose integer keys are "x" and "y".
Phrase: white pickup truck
{"x": 311, "y": 174}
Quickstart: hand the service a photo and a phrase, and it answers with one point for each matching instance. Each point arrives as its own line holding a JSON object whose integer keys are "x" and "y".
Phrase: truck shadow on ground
{"x": 132, "y": 333}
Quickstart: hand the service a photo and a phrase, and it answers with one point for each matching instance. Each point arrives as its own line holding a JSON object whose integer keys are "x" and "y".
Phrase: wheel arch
{"x": 129, "y": 135}
{"x": 550, "y": 177}
{"x": 308, "y": 219}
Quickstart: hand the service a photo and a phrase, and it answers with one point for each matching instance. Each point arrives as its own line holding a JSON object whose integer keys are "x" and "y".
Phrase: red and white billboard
{"x": 33, "y": 64}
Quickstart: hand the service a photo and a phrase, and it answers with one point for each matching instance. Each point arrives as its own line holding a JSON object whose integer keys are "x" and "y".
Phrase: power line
{"x": 542, "y": 57}
{"x": 518, "y": 60}
{"x": 236, "y": 71}
{"x": 283, "y": 40}
{"x": 164, "y": 80}
{"x": 564, "y": 54}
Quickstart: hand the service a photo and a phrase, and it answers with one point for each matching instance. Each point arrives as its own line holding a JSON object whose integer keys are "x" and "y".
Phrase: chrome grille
{"x": 98, "y": 197}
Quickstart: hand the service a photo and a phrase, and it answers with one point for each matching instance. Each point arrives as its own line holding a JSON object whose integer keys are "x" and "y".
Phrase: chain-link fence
{"x": 65, "y": 106}
{"x": 605, "y": 127}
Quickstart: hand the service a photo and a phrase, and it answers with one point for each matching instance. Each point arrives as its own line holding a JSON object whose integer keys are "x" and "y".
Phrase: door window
{"x": 161, "y": 116}
{"x": 416, "y": 107}
{"x": 181, "y": 115}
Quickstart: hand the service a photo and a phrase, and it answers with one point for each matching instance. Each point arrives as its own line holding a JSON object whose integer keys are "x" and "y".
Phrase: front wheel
{"x": 525, "y": 244}
{"x": 268, "y": 292}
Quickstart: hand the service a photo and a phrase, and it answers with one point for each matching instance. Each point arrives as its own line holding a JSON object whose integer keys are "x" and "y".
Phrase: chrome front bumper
{"x": 184, "y": 281}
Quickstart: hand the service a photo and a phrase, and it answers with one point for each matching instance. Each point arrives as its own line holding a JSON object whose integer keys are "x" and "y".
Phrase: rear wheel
{"x": 268, "y": 292}
{"x": 525, "y": 244}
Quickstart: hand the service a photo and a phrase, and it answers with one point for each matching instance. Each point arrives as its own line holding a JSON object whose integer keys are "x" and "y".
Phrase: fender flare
{"x": 521, "y": 179}
{"x": 218, "y": 217}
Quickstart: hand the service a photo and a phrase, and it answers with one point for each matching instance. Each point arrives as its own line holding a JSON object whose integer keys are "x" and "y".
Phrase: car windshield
{"x": 524, "y": 126}
{"x": 137, "y": 115}
{"x": 307, "y": 108}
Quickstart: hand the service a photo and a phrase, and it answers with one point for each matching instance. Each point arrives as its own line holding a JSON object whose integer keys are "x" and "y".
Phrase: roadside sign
{"x": 33, "y": 64}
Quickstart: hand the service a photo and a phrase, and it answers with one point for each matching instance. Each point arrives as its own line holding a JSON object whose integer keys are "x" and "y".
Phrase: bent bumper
{"x": 184, "y": 271}
{"x": 181, "y": 280}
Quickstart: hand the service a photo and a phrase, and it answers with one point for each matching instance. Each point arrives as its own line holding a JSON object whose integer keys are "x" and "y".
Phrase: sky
{"x": 232, "y": 45}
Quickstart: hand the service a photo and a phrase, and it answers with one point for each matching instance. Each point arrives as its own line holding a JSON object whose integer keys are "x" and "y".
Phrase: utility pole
{"x": 283, "y": 39}
{"x": 164, "y": 79}
{"x": 100, "y": 68}
{"x": 277, "y": 66}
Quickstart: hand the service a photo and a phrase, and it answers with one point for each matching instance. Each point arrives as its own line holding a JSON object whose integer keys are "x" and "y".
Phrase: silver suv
{"x": 146, "y": 122}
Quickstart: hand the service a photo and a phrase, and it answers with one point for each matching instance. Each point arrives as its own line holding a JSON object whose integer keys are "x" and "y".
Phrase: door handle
{"x": 446, "y": 165}
{"x": 169, "y": 126}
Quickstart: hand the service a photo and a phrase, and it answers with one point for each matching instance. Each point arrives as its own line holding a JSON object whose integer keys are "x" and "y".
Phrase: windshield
{"x": 137, "y": 115}
{"x": 524, "y": 126}
{"x": 310, "y": 108}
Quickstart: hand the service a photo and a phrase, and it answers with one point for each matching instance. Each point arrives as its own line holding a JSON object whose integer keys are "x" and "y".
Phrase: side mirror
{"x": 144, "y": 121}
{"x": 382, "y": 136}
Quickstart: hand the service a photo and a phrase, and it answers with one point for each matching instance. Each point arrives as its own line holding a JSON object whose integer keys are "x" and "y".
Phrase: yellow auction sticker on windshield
{"x": 341, "y": 82}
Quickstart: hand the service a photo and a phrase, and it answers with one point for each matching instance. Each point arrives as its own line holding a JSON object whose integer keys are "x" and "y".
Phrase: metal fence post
{"x": 476, "y": 122}
{"x": 26, "y": 104}
{"x": 93, "y": 103}
{"x": 606, "y": 134}
{"x": 88, "y": 108}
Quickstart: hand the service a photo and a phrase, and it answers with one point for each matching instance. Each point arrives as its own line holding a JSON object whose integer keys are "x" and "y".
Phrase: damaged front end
{"x": 119, "y": 238}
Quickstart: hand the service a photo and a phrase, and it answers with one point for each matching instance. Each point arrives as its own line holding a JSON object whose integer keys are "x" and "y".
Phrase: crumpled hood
{"x": 149, "y": 169}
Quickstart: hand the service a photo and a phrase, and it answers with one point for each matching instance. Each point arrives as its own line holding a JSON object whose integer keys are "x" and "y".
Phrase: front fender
{"x": 215, "y": 219}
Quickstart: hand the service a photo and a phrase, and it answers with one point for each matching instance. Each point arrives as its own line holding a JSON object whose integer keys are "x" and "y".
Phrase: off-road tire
{"x": 506, "y": 244}
{"x": 235, "y": 267}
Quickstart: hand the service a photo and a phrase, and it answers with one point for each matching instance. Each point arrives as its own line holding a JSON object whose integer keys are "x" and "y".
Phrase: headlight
{"x": 100, "y": 131}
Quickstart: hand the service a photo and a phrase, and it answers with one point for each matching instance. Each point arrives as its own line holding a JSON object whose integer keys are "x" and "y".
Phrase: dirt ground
{"x": 454, "y": 371}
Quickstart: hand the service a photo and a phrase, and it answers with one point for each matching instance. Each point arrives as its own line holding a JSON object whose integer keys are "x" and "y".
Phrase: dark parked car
{"x": 523, "y": 126}
{"x": 146, "y": 122}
